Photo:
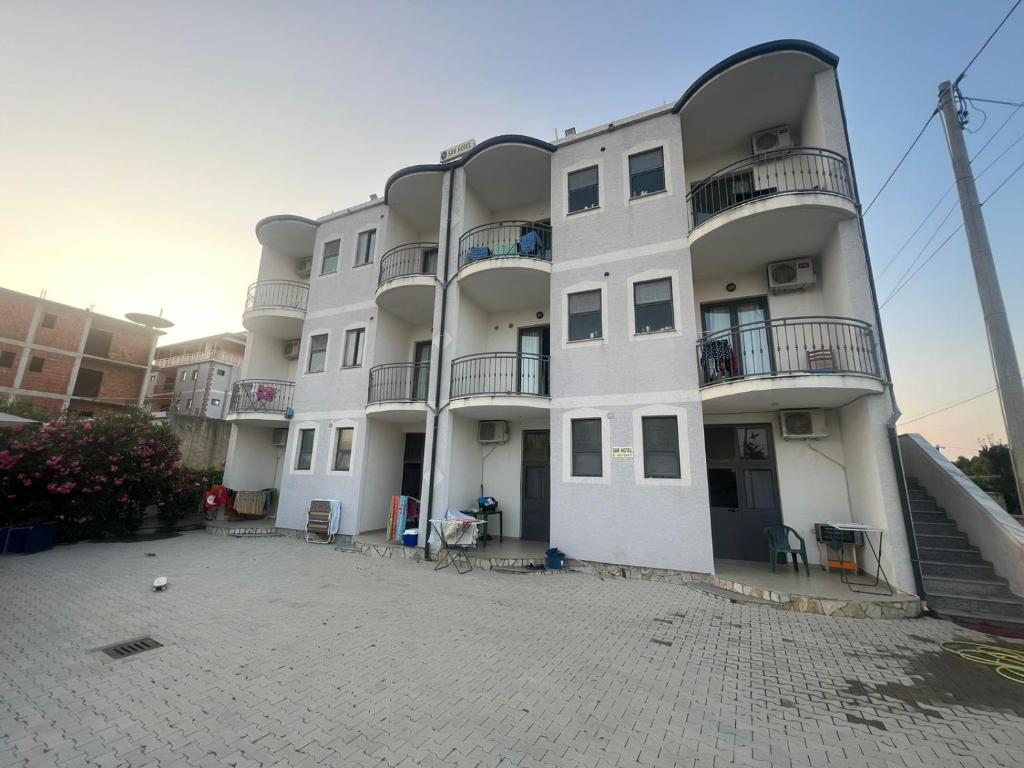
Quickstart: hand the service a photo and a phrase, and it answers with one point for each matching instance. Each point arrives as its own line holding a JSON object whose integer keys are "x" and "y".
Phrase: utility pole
{"x": 997, "y": 327}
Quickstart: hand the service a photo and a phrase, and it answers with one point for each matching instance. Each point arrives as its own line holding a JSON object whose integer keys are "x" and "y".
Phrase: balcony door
{"x": 420, "y": 371}
{"x": 534, "y": 348}
{"x": 536, "y": 485}
{"x": 736, "y": 339}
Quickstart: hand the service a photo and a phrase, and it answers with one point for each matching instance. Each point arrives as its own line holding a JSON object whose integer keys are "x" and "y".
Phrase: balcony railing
{"x": 784, "y": 171}
{"x": 277, "y": 294}
{"x": 407, "y": 260}
{"x": 261, "y": 396}
{"x": 398, "y": 383}
{"x": 527, "y": 239}
{"x": 185, "y": 358}
{"x": 501, "y": 373}
{"x": 810, "y": 345}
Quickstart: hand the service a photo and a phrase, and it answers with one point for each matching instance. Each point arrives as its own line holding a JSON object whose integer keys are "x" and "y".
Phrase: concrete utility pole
{"x": 997, "y": 327}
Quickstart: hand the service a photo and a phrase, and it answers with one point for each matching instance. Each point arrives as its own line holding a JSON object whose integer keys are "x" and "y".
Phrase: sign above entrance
{"x": 622, "y": 452}
{"x": 458, "y": 150}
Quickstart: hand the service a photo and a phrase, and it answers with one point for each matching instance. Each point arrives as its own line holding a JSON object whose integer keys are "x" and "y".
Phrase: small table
{"x": 485, "y": 514}
{"x": 455, "y": 548}
{"x": 866, "y": 530}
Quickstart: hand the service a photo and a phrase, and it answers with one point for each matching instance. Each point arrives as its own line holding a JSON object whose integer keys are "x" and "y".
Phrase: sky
{"x": 140, "y": 142}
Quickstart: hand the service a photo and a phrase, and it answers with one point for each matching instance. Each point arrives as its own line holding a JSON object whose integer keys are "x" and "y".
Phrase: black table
{"x": 484, "y": 514}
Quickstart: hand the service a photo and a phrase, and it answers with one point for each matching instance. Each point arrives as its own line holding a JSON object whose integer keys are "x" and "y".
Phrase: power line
{"x": 1017, "y": 104}
{"x": 905, "y": 154}
{"x": 945, "y": 408}
{"x": 987, "y": 41}
{"x": 1012, "y": 174}
{"x": 932, "y": 255}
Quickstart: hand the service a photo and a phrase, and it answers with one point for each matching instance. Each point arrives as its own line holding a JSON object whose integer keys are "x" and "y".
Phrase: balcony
{"x": 800, "y": 362}
{"x": 407, "y": 280}
{"x": 775, "y": 204}
{"x": 398, "y": 391}
{"x": 507, "y": 264}
{"x": 500, "y": 384}
{"x": 188, "y": 358}
{"x": 261, "y": 400}
{"x": 276, "y": 308}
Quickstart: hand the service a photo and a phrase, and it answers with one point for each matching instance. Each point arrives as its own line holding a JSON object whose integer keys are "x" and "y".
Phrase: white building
{"x": 673, "y": 314}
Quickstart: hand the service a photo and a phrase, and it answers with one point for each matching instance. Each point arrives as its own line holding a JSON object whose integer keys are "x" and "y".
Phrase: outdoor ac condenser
{"x": 792, "y": 275}
{"x": 771, "y": 139}
{"x": 291, "y": 349}
{"x": 279, "y": 437}
{"x": 491, "y": 432}
{"x": 803, "y": 425}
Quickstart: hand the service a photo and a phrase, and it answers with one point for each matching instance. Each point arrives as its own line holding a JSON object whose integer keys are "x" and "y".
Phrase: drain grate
{"x": 131, "y": 647}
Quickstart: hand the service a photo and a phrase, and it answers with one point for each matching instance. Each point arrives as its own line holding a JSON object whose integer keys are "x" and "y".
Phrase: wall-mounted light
{"x": 730, "y": 287}
{"x": 540, "y": 315}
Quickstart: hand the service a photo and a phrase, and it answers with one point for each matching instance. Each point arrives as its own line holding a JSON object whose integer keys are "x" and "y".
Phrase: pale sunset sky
{"x": 141, "y": 141}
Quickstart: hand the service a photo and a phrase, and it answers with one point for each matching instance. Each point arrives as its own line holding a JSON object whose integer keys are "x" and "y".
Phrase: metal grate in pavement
{"x": 131, "y": 647}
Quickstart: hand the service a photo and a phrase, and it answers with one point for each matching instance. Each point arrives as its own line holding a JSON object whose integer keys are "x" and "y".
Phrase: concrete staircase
{"x": 958, "y": 582}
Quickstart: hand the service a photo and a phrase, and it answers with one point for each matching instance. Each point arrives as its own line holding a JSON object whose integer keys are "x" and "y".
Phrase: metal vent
{"x": 131, "y": 647}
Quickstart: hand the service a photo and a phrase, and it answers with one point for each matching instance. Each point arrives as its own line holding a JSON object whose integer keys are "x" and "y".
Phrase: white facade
{"x": 462, "y": 296}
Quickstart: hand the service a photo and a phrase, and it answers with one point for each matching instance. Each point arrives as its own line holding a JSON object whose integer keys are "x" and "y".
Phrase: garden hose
{"x": 1009, "y": 662}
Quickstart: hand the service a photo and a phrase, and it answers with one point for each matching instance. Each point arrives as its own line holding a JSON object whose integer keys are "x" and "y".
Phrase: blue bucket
{"x": 410, "y": 539}
{"x": 555, "y": 559}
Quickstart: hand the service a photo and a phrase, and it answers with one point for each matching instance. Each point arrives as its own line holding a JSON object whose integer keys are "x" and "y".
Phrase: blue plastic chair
{"x": 779, "y": 543}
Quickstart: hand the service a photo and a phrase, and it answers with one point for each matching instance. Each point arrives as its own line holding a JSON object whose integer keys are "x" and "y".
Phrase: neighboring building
{"x": 194, "y": 378}
{"x": 65, "y": 358}
{"x": 648, "y": 340}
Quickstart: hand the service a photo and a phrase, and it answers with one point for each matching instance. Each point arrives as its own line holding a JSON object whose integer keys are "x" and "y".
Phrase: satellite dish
{"x": 153, "y": 321}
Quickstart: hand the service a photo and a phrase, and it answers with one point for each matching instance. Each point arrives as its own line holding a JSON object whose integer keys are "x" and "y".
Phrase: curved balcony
{"x": 774, "y": 205}
{"x": 506, "y": 264}
{"x": 799, "y": 362}
{"x": 261, "y": 400}
{"x": 500, "y": 384}
{"x": 398, "y": 391}
{"x": 406, "y": 281}
{"x": 276, "y": 308}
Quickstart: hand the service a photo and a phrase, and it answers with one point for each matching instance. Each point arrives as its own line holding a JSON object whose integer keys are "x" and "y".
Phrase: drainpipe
{"x": 440, "y": 359}
{"x": 890, "y": 425}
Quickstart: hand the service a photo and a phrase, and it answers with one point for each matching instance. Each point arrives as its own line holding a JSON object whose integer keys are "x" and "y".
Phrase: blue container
{"x": 410, "y": 539}
{"x": 27, "y": 539}
{"x": 555, "y": 559}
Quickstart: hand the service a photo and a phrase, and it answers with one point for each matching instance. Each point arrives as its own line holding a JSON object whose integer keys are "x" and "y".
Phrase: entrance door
{"x": 743, "y": 488}
{"x": 534, "y": 348}
{"x": 412, "y": 464}
{"x": 742, "y": 326}
{"x": 421, "y": 372}
{"x": 536, "y": 503}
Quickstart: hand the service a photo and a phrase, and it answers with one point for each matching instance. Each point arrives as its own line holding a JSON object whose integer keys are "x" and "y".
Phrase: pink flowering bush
{"x": 93, "y": 477}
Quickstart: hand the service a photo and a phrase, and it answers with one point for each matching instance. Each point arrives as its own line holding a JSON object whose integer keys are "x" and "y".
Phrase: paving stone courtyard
{"x": 280, "y": 653}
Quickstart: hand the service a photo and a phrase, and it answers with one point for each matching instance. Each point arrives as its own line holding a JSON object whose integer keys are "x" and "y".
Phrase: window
{"x": 585, "y": 315}
{"x": 652, "y": 305}
{"x": 97, "y": 343}
{"x": 317, "y": 353}
{"x": 221, "y": 372}
{"x": 184, "y": 375}
{"x": 49, "y": 321}
{"x": 6, "y": 359}
{"x": 195, "y": 374}
{"x": 168, "y": 385}
{"x": 646, "y": 173}
{"x": 215, "y": 401}
{"x": 353, "y": 348}
{"x": 188, "y": 404}
{"x": 586, "y": 448}
{"x": 329, "y": 265}
{"x": 304, "y": 459}
{"x": 661, "y": 446}
{"x": 343, "y": 449}
{"x": 88, "y": 382}
{"x": 583, "y": 189}
{"x": 364, "y": 248}
{"x": 36, "y": 364}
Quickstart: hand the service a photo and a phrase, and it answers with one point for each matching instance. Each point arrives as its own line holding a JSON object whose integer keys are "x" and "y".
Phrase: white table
{"x": 866, "y": 531}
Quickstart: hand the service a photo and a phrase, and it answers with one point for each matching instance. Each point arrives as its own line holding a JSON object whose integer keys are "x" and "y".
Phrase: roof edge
{"x": 774, "y": 46}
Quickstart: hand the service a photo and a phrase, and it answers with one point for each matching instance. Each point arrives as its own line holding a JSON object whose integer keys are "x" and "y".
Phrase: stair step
{"x": 929, "y": 516}
{"x": 936, "y": 529}
{"x": 918, "y": 494}
{"x": 943, "y": 542}
{"x": 997, "y": 606}
{"x": 980, "y": 570}
{"x": 925, "y": 505}
{"x": 952, "y": 555}
{"x": 971, "y": 617}
{"x": 994, "y": 587}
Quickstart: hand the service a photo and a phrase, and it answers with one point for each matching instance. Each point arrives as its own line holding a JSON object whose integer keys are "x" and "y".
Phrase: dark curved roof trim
{"x": 775, "y": 46}
{"x": 509, "y": 138}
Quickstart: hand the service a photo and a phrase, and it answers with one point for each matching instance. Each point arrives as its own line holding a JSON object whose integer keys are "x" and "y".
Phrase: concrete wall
{"x": 253, "y": 462}
{"x": 204, "y": 441}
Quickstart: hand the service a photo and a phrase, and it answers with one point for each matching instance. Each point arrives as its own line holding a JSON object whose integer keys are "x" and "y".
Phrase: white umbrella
{"x": 10, "y": 420}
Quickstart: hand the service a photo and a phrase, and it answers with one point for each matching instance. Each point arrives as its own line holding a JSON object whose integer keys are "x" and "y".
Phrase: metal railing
{"x": 261, "y": 396}
{"x": 784, "y": 171}
{"x": 197, "y": 357}
{"x": 501, "y": 373}
{"x": 795, "y": 345}
{"x": 406, "y": 260}
{"x": 398, "y": 383}
{"x": 277, "y": 294}
{"x": 526, "y": 239}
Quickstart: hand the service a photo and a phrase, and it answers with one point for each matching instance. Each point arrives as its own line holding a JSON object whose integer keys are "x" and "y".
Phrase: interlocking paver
{"x": 281, "y": 653}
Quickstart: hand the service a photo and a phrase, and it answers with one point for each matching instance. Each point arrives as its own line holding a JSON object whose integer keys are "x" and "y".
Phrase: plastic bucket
{"x": 25, "y": 540}
{"x": 410, "y": 539}
{"x": 555, "y": 559}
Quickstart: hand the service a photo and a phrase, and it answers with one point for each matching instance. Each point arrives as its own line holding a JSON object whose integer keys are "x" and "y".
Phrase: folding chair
{"x": 456, "y": 538}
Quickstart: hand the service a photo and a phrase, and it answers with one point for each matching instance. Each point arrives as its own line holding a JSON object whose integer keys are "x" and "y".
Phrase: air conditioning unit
{"x": 774, "y": 138}
{"x": 291, "y": 349}
{"x": 793, "y": 275}
{"x": 279, "y": 437}
{"x": 803, "y": 425}
{"x": 492, "y": 432}
{"x": 303, "y": 267}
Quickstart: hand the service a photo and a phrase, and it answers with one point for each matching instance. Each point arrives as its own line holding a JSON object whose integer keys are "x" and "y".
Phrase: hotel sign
{"x": 622, "y": 452}
{"x": 458, "y": 150}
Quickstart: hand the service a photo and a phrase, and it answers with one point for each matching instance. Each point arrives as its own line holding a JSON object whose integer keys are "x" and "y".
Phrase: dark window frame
{"x": 576, "y": 451}
{"x": 633, "y": 175}
{"x": 301, "y": 453}
{"x": 93, "y": 344}
{"x": 340, "y": 452}
{"x": 313, "y": 350}
{"x": 336, "y": 256}
{"x": 49, "y": 320}
{"x": 644, "y": 421}
{"x": 92, "y": 391}
{"x": 637, "y": 305}
{"x": 366, "y": 244}
{"x": 359, "y": 334}
{"x": 589, "y": 314}
{"x": 596, "y": 187}
{"x": 33, "y": 367}
{"x": 7, "y": 358}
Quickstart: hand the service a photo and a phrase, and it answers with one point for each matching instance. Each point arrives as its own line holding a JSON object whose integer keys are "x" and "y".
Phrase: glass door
{"x": 736, "y": 339}
{"x": 420, "y": 371}
{"x": 534, "y": 347}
